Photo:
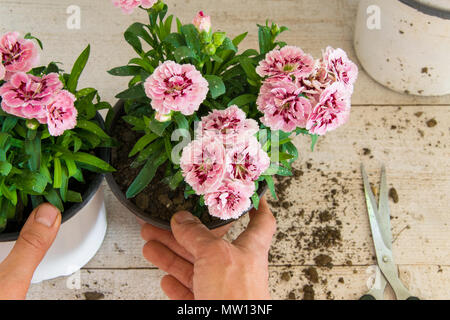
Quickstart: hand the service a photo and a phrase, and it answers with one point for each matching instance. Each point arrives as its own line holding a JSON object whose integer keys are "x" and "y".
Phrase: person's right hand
{"x": 202, "y": 265}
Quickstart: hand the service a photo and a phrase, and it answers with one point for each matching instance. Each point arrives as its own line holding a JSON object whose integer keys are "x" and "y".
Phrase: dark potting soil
{"x": 157, "y": 199}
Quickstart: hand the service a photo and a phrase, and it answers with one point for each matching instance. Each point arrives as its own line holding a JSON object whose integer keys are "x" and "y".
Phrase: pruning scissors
{"x": 380, "y": 225}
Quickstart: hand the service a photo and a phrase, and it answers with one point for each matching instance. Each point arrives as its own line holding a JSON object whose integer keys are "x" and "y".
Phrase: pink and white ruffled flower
{"x": 26, "y": 95}
{"x": 247, "y": 160}
{"x": 203, "y": 163}
{"x": 202, "y": 22}
{"x": 2, "y": 71}
{"x": 17, "y": 54}
{"x": 287, "y": 62}
{"x": 176, "y": 87}
{"x": 231, "y": 199}
{"x": 128, "y": 6}
{"x": 229, "y": 125}
{"x": 343, "y": 69}
{"x": 61, "y": 114}
{"x": 283, "y": 106}
{"x": 332, "y": 110}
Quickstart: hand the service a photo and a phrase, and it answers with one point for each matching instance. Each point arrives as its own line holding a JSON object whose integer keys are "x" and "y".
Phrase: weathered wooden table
{"x": 323, "y": 209}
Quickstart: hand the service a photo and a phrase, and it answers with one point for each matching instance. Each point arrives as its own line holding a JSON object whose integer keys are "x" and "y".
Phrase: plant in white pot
{"x": 52, "y": 149}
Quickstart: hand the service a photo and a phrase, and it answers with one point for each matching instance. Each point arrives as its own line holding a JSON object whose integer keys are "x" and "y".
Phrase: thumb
{"x": 35, "y": 239}
{"x": 189, "y": 232}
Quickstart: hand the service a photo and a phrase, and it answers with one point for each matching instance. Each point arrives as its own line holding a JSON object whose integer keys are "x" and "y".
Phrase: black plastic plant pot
{"x": 92, "y": 187}
{"x": 157, "y": 222}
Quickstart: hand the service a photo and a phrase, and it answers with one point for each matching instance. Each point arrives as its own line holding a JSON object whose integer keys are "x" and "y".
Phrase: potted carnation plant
{"x": 203, "y": 127}
{"x": 52, "y": 149}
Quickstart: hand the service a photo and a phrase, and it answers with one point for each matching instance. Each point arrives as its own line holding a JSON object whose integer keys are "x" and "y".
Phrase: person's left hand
{"x": 36, "y": 237}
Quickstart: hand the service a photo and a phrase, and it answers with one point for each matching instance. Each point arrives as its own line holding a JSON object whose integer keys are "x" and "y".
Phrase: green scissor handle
{"x": 367, "y": 297}
{"x": 413, "y": 298}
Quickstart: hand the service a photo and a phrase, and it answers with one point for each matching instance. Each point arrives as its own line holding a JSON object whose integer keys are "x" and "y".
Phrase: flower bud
{"x": 205, "y": 37}
{"x": 210, "y": 49}
{"x": 202, "y": 22}
{"x": 32, "y": 124}
{"x": 275, "y": 30}
{"x": 219, "y": 38}
{"x": 163, "y": 117}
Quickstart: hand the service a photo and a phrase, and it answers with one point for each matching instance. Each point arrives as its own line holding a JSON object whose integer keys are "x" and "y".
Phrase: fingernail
{"x": 183, "y": 217}
{"x": 46, "y": 215}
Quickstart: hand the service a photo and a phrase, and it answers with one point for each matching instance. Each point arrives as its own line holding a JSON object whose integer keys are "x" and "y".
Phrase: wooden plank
{"x": 418, "y": 168}
{"x": 313, "y": 26}
{"x": 427, "y": 282}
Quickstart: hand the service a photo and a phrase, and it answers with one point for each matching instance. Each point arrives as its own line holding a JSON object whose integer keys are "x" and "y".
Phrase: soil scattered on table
{"x": 308, "y": 292}
{"x": 93, "y": 295}
{"x": 431, "y": 123}
{"x": 393, "y": 195}
{"x": 311, "y": 274}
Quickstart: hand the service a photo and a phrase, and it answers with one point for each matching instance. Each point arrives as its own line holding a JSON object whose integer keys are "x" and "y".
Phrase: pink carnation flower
{"x": 202, "y": 22}
{"x": 128, "y": 6}
{"x": 203, "y": 164}
{"x": 61, "y": 114}
{"x": 17, "y": 54}
{"x": 26, "y": 96}
{"x": 283, "y": 106}
{"x": 332, "y": 110}
{"x": 229, "y": 125}
{"x": 337, "y": 62}
{"x": 231, "y": 200}
{"x": 176, "y": 87}
{"x": 2, "y": 71}
{"x": 247, "y": 160}
{"x": 287, "y": 62}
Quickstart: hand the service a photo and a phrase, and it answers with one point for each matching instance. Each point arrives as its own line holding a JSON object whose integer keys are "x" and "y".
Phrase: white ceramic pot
{"x": 77, "y": 241}
{"x": 405, "y": 44}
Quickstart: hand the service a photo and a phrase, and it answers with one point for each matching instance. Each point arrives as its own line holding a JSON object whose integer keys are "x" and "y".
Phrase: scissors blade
{"x": 384, "y": 216}
{"x": 384, "y": 254}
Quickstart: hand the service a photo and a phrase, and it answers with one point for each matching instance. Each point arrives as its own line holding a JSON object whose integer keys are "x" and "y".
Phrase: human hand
{"x": 202, "y": 265}
{"x": 36, "y": 237}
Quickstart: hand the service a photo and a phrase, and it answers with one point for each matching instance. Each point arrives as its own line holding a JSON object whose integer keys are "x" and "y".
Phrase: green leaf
{"x": 150, "y": 150}
{"x": 271, "y": 186}
{"x": 142, "y": 143}
{"x": 84, "y": 92}
{"x": 146, "y": 175}
{"x": 53, "y": 197}
{"x": 9, "y": 193}
{"x": 192, "y": 37}
{"x": 216, "y": 86}
{"x": 125, "y": 71}
{"x": 175, "y": 39}
{"x": 175, "y": 180}
{"x": 181, "y": 121}
{"x": 157, "y": 127}
{"x": 64, "y": 184}
{"x": 77, "y": 69}
{"x": 9, "y": 123}
{"x": 265, "y": 39}
{"x": 31, "y": 182}
{"x": 92, "y": 127}
{"x": 5, "y": 168}
{"x": 183, "y": 53}
{"x": 239, "y": 39}
{"x": 249, "y": 68}
{"x": 255, "y": 200}
{"x": 243, "y": 100}
{"x": 57, "y": 175}
{"x": 73, "y": 196}
{"x": 29, "y": 36}
{"x": 133, "y": 93}
{"x": 33, "y": 149}
{"x": 314, "y": 139}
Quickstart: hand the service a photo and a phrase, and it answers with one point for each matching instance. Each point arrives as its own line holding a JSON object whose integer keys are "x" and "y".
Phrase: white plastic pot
{"x": 405, "y": 44}
{"x": 76, "y": 243}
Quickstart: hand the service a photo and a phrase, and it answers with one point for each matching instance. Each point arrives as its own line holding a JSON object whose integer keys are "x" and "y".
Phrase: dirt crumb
{"x": 308, "y": 292}
{"x": 286, "y": 276}
{"x": 418, "y": 114}
{"x": 93, "y": 295}
{"x": 393, "y": 195}
{"x": 323, "y": 260}
{"x": 311, "y": 274}
{"x": 431, "y": 123}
